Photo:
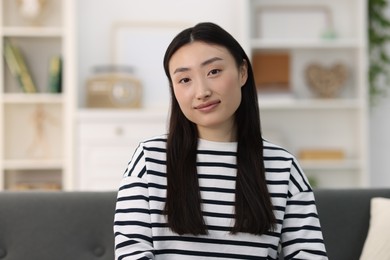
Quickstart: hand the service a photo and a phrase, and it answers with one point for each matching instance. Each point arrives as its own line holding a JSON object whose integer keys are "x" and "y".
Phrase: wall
{"x": 380, "y": 143}
{"x": 380, "y": 138}
{"x": 95, "y": 18}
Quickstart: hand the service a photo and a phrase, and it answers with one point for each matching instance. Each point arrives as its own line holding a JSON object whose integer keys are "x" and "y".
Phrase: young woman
{"x": 212, "y": 188}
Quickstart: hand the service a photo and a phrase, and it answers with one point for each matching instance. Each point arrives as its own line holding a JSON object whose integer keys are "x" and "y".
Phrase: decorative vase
{"x": 31, "y": 10}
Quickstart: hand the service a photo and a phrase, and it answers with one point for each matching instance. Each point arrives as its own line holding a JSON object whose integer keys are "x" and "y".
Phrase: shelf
{"x": 36, "y": 128}
{"x": 22, "y": 98}
{"x": 291, "y": 103}
{"x": 30, "y": 164}
{"x": 290, "y": 35}
{"x": 32, "y": 32}
{"x": 304, "y": 43}
{"x": 91, "y": 115}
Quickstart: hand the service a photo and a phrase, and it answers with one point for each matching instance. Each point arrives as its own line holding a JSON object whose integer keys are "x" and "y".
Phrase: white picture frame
{"x": 142, "y": 45}
{"x": 277, "y": 22}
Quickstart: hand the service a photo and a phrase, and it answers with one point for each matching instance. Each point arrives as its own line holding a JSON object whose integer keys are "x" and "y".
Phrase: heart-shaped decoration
{"x": 326, "y": 82}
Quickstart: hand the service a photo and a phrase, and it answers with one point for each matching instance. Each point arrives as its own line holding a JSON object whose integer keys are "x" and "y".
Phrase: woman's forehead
{"x": 198, "y": 54}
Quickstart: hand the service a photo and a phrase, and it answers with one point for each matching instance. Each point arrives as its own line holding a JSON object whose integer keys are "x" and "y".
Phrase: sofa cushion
{"x": 377, "y": 244}
{"x": 344, "y": 216}
{"x": 57, "y": 225}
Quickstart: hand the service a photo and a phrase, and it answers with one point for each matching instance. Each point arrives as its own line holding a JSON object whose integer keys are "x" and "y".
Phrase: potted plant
{"x": 379, "y": 58}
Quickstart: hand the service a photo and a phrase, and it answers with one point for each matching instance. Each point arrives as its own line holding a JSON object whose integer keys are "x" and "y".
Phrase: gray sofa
{"x": 78, "y": 225}
{"x": 345, "y": 217}
{"x": 57, "y": 225}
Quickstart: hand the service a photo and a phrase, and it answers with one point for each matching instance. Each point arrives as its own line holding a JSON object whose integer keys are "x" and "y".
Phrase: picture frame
{"x": 290, "y": 22}
{"x": 141, "y": 45}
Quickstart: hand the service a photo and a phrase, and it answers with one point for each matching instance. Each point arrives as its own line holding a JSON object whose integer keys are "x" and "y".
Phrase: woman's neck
{"x": 218, "y": 135}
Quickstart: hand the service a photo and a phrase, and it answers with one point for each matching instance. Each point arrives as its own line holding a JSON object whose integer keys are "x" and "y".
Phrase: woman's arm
{"x": 301, "y": 232}
{"x": 132, "y": 224}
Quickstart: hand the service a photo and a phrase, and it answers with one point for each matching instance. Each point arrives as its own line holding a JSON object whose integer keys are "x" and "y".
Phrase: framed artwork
{"x": 291, "y": 22}
{"x": 142, "y": 45}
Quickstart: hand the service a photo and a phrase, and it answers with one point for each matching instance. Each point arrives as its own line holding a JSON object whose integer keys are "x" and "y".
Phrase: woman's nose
{"x": 202, "y": 91}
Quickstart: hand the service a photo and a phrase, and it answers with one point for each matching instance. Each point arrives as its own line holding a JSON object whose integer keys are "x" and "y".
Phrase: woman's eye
{"x": 214, "y": 71}
{"x": 184, "y": 80}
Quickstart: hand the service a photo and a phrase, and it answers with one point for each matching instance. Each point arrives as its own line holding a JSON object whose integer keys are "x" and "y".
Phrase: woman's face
{"x": 207, "y": 85}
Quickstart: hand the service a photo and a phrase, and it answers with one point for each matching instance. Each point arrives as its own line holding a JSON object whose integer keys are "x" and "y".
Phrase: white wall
{"x": 95, "y": 18}
{"x": 380, "y": 143}
{"x": 380, "y": 138}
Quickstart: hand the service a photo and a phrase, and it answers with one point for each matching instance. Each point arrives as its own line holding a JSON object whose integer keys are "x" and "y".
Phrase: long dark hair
{"x": 253, "y": 207}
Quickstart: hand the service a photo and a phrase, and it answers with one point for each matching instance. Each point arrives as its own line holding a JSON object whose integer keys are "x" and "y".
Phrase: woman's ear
{"x": 243, "y": 72}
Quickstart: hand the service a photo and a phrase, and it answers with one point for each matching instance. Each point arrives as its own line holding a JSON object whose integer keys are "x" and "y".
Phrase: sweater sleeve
{"x": 301, "y": 233}
{"x": 132, "y": 224}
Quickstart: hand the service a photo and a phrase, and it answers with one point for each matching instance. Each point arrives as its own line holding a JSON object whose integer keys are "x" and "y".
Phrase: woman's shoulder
{"x": 277, "y": 157}
{"x": 158, "y": 141}
{"x": 275, "y": 150}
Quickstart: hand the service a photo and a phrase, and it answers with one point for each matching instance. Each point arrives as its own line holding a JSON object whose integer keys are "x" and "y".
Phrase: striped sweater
{"x": 141, "y": 230}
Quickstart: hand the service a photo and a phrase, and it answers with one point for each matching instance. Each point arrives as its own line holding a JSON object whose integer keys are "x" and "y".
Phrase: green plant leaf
{"x": 379, "y": 58}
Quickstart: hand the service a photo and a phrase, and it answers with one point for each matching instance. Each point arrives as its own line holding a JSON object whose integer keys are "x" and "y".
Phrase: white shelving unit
{"x": 36, "y": 149}
{"x": 301, "y": 120}
{"x": 106, "y": 140}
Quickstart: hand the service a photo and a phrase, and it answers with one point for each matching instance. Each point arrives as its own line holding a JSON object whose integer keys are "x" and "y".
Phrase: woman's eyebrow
{"x": 181, "y": 69}
{"x": 209, "y": 61}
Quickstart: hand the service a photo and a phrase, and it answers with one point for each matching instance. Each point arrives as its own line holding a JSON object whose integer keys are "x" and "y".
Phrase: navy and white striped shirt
{"x": 141, "y": 230}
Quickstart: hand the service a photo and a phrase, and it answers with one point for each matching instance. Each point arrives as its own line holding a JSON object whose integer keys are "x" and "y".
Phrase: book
{"x": 55, "y": 74}
{"x": 18, "y": 67}
{"x": 12, "y": 63}
{"x": 272, "y": 72}
{"x": 321, "y": 154}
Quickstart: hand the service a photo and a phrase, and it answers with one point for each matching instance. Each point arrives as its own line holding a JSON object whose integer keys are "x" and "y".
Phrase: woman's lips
{"x": 207, "y": 106}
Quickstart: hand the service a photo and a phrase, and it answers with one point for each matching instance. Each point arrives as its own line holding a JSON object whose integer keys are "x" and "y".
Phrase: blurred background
{"x": 82, "y": 84}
